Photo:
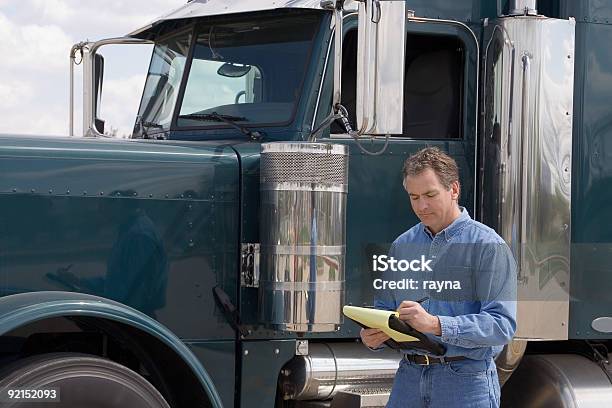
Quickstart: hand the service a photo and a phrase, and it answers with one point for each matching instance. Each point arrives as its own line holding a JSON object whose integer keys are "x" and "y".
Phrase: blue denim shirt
{"x": 479, "y": 321}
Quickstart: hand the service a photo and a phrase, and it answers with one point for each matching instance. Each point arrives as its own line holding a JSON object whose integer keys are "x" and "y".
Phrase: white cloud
{"x": 29, "y": 47}
{"x": 35, "y": 63}
{"x": 36, "y": 120}
{"x": 53, "y": 10}
{"x": 15, "y": 93}
{"x": 93, "y": 19}
{"x": 35, "y": 40}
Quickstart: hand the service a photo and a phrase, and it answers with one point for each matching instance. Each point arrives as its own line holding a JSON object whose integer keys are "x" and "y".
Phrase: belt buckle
{"x": 427, "y": 360}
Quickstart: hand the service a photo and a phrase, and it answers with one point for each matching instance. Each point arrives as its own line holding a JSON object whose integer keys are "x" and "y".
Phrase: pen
{"x": 423, "y": 299}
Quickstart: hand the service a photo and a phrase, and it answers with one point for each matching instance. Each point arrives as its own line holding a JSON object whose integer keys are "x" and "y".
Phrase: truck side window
{"x": 433, "y": 86}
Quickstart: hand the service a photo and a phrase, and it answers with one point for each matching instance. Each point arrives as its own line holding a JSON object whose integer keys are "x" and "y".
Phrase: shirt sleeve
{"x": 495, "y": 288}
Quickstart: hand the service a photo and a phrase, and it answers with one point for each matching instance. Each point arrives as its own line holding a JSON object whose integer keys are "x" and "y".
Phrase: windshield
{"x": 249, "y": 71}
{"x": 162, "y": 84}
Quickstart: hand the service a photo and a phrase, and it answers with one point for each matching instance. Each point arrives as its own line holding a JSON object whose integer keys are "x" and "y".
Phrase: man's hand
{"x": 373, "y": 338}
{"x": 417, "y": 317}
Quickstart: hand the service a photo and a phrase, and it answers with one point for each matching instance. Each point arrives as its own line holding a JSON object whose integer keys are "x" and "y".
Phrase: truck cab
{"x": 151, "y": 256}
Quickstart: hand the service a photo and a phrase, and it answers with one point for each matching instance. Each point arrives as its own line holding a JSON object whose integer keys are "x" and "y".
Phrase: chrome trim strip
{"x": 320, "y": 92}
{"x": 305, "y": 250}
{"x": 301, "y": 147}
{"x": 302, "y": 286}
{"x": 296, "y": 186}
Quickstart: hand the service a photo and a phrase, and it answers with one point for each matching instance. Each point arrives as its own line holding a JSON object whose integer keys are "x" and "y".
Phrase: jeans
{"x": 465, "y": 383}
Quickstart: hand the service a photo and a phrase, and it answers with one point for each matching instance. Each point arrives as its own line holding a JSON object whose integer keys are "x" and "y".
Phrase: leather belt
{"x": 427, "y": 360}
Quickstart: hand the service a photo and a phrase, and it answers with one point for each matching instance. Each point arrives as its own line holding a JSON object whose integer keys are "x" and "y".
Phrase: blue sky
{"x": 35, "y": 40}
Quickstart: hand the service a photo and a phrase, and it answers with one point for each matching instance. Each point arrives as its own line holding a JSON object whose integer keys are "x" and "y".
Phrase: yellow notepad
{"x": 376, "y": 319}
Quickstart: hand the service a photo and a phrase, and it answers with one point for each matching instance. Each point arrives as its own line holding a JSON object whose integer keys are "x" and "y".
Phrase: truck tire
{"x": 81, "y": 381}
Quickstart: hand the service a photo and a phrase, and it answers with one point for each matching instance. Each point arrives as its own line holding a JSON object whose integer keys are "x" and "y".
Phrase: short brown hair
{"x": 433, "y": 158}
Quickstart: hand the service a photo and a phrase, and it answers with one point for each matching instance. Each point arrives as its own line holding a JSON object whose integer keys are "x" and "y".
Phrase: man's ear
{"x": 455, "y": 190}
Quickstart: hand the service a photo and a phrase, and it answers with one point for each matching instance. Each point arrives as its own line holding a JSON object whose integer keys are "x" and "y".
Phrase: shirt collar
{"x": 455, "y": 227}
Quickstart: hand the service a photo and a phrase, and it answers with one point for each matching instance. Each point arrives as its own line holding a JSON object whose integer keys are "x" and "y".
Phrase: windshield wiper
{"x": 229, "y": 119}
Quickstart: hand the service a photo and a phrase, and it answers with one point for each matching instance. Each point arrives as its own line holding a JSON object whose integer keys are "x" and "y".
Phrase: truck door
{"x": 439, "y": 110}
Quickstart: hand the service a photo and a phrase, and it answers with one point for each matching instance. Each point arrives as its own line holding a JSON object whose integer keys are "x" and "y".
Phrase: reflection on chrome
{"x": 303, "y": 201}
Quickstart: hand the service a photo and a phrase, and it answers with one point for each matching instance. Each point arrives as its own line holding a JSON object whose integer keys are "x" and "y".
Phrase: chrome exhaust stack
{"x": 302, "y": 226}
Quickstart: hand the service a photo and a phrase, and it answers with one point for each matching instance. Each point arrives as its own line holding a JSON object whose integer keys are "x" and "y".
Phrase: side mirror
{"x": 381, "y": 54}
{"x": 98, "y": 77}
{"x": 93, "y": 72}
{"x": 231, "y": 70}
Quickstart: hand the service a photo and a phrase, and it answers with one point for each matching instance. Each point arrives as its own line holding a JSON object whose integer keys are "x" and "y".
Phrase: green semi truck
{"x": 205, "y": 260}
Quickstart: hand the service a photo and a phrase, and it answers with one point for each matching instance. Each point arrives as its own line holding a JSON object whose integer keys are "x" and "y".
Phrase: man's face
{"x": 435, "y": 206}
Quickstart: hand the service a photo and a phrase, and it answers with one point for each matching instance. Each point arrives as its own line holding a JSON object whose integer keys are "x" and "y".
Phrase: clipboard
{"x": 402, "y": 335}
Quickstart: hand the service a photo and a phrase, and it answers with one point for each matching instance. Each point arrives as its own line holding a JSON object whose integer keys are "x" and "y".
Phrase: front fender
{"x": 24, "y": 308}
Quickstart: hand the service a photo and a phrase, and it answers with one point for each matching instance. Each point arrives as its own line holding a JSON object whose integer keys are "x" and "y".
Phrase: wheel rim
{"x": 83, "y": 382}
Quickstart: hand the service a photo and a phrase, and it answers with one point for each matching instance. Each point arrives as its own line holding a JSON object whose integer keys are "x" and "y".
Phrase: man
{"x": 473, "y": 323}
